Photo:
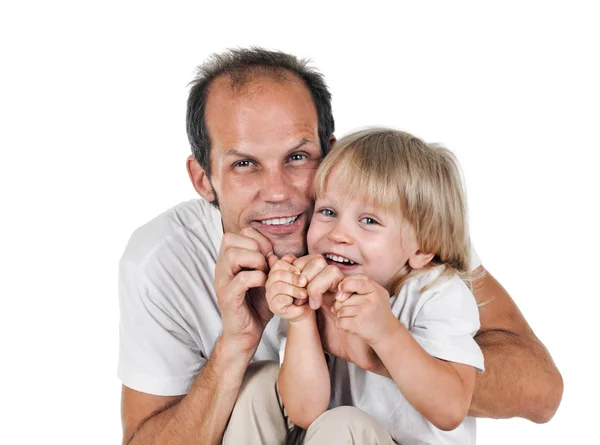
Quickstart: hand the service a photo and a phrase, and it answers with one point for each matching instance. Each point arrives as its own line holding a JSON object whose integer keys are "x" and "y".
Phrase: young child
{"x": 389, "y": 257}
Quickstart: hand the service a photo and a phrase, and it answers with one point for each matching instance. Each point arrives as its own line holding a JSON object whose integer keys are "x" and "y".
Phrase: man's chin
{"x": 280, "y": 248}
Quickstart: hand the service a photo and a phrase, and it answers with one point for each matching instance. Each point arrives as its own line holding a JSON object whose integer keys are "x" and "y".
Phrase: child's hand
{"x": 322, "y": 277}
{"x": 285, "y": 290}
{"x": 362, "y": 307}
{"x": 342, "y": 344}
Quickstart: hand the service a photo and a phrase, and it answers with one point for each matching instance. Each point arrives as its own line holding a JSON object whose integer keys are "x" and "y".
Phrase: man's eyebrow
{"x": 300, "y": 144}
{"x": 240, "y": 154}
{"x": 237, "y": 153}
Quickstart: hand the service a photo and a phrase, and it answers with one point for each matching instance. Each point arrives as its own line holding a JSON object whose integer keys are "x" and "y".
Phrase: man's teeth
{"x": 280, "y": 221}
{"x": 338, "y": 259}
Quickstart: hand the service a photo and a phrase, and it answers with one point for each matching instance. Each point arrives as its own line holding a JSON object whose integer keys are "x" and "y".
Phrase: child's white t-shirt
{"x": 443, "y": 320}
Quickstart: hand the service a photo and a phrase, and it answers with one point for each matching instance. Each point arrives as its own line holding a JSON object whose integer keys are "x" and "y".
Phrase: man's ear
{"x": 200, "y": 179}
{"x": 332, "y": 140}
{"x": 418, "y": 260}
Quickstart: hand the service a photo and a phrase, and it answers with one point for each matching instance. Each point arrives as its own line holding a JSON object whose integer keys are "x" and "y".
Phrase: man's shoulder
{"x": 188, "y": 224}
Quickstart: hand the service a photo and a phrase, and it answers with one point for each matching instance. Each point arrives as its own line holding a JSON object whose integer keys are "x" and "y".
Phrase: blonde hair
{"x": 399, "y": 172}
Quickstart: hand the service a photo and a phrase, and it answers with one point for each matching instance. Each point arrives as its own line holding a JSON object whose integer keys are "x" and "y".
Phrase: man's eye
{"x": 298, "y": 157}
{"x": 328, "y": 212}
{"x": 242, "y": 164}
{"x": 367, "y": 220}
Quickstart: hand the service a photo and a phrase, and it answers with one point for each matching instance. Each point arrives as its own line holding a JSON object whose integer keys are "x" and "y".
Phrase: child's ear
{"x": 418, "y": 260}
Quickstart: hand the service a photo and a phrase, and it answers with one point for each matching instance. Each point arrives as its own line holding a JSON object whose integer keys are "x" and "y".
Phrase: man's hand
{"x": 286, "y": 295}
{"x": 240, "y": 274}
{"x": 362, "y": 307}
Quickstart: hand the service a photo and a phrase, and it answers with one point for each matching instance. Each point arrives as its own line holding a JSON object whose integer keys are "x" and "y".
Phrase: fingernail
{"x": 270, "y": 253}
{"x": 312, "y": 303}
{"x": 302, "y": 280}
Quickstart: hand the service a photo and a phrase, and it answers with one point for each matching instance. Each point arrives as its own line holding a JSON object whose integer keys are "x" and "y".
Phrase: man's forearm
{"x": 201, "y": 416}
{"x": 520, "y": 379}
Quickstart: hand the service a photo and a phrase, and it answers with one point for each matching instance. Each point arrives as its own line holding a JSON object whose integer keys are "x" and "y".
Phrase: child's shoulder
{"x": 434, "y": 284}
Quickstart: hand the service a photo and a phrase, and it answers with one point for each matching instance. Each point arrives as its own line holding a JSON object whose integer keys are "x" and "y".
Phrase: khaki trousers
{"x": 259, "y": 418}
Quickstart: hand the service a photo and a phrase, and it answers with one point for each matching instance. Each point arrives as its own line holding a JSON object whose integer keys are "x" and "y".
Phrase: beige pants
{"x": 259, "y": 418}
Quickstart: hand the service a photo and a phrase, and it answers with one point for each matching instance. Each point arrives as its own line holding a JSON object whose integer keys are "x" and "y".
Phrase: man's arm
{"x": 520, "y": 378}
{"x": 199, "y": 417}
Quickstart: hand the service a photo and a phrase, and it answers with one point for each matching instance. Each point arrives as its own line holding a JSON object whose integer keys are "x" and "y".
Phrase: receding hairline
{"x": 239, "y": 81}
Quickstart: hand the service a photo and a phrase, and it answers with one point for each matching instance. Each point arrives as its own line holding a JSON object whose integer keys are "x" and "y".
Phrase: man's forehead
{"x": 251, "y": 81}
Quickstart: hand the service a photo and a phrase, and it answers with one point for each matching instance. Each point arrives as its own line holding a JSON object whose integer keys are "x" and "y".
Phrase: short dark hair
{"x": 240, "y": 64}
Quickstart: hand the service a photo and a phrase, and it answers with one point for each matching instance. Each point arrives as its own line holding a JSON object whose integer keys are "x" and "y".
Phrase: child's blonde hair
{"x": 399, "y": 172}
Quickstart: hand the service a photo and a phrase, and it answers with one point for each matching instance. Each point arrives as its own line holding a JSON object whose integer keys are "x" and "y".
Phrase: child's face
{"x": 357, "y": 238}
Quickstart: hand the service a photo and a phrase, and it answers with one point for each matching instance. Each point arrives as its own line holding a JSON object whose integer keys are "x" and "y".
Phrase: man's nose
{"x": 276, "y": 186}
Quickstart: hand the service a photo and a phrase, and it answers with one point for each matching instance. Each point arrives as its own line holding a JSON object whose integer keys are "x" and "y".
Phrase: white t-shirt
{"x": 443, "y": 319}
{"x": 170, "y": 320}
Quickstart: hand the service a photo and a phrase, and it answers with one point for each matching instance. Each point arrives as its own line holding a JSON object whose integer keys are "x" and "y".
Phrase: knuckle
{"x": 228, "y": 239}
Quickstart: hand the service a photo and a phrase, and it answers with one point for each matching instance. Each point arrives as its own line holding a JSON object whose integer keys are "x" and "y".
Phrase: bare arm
{"x": 520, "y": 378}
{"x": 439, "y": 390}
{"x": 201, "y": 416}
{"x": 304, "y": 377}
{"x": 198, "y": 418}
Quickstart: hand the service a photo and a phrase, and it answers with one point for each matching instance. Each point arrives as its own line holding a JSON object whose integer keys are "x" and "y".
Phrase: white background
{"x": 93, "y": 144}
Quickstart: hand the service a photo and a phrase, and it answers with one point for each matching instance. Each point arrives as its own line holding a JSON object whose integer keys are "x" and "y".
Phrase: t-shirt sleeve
{"x": 475, "y": 260}
{"x": 446, "y": 323}
{"x": 156, "y": 354}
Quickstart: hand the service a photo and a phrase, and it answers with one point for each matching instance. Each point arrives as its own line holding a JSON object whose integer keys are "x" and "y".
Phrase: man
{"x": 193, "y": 314}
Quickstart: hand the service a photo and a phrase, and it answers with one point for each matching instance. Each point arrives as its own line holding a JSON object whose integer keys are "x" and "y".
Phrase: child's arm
{"x": 440, "y": 390}
{"x": 304, "y": 382}
{"x": 304, "y": 377}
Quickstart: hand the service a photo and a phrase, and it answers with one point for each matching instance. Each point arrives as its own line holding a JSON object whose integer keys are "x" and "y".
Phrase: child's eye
{"x": 327, "y": 212}
{"x": 367, "y": 220}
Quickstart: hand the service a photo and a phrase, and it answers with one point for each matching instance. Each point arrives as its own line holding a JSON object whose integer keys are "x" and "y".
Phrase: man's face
{"x": 265, "y": 150}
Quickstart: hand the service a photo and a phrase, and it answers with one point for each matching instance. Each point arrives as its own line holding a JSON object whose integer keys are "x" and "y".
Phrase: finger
{"x": 357, "y": 285}
{"x": 234, "y": 259}
{"x": 289, "y": 258}
{"x": 264, "y": 245}
{"x": 297, "y": 313}
{"x": 280, "y": 303}
{"x": 355, "y": 300}
{"x": 284, "y": 265}
{"x": 301, "y": 262}
{"x": 286, "y": 277}
{"x": 348, "y": 311}
{"x": 283, "y": 288}
{"x": 235, "y": 292}
{"x": 342, "y": 296}
{"x": 310, "y": 269}
{"x": 272, "y": 260}
{"x": 327, "y": 280}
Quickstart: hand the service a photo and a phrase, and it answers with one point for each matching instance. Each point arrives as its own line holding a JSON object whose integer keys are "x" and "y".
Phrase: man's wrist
{"x": 230, "y": 361}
